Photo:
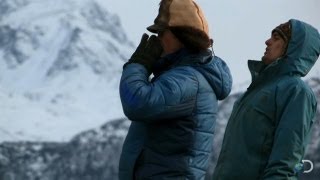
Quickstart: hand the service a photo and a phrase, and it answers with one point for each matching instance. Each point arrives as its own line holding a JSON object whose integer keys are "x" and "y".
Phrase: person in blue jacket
{"x": 269, "y": 127}
{"x": 173, "y": 115}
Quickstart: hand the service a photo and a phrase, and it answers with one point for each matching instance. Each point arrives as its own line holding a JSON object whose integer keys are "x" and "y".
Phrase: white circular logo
{"x": 305, "y": 161}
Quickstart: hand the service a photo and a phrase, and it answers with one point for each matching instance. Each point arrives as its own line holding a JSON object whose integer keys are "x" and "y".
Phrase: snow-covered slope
{"x": 94, "y": 154}
{"x": 60, "y": 65}
{"x": 91, "y": 155}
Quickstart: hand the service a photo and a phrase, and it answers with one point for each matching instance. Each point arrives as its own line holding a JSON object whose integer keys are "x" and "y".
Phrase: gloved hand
{"x": 147, "y": 53}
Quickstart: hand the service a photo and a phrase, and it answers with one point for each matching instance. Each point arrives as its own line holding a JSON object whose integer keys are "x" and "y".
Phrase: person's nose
{"x": 268, "y": 42}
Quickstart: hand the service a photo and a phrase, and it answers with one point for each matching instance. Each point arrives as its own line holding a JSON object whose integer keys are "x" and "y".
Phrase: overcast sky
{"x": 239, "y": 28}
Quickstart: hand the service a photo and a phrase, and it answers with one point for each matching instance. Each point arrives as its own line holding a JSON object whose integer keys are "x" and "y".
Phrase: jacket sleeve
{"x": 297, "y": 108}
{"x": 171, "y": 95}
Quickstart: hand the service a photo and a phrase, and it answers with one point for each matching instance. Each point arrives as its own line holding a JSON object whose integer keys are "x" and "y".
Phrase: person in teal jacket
{"x": 269, "y": 127}
{"x": 173, "y": 115}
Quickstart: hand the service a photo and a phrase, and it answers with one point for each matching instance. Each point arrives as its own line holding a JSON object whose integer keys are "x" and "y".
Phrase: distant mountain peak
{"x": 60, "y": 66}
{"x": 37, "y": 41}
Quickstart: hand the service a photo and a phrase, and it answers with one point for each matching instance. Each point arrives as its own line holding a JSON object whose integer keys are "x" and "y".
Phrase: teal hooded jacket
{"x": 268, "y": 129}
{"x": 173, "y": 116}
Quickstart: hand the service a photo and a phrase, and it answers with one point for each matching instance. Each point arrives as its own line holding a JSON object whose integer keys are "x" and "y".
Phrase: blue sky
{"x": 239, "y": 28}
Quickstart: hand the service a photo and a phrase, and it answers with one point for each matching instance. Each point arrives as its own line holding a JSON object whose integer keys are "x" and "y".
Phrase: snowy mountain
{"x": 94, "y": 154}
{"x": 60, "y": 114}
{"x": 60, "y": 65}
{"x": 91, "y": 155}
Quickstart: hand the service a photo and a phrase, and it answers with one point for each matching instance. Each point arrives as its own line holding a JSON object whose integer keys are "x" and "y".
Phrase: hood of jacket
{"x": 303, "y": 48}
{"x": 213, "y": 68}
{"x": 302, "y": 52}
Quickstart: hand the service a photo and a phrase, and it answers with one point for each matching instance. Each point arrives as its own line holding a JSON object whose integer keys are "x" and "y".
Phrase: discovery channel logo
{"x": 308, "y": 166}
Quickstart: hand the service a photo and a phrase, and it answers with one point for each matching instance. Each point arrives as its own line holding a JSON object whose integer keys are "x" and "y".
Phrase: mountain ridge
{"x": 59, "y": 68}
{"x": 94, "y": 153}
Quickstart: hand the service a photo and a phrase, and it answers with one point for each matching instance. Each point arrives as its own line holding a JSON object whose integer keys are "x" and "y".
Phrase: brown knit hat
{"x": 284, "y": 30}
{"x": 175, "y": 13}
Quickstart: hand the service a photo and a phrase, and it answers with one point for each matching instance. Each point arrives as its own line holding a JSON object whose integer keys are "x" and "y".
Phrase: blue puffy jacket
{"x": 173, "y": 115}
